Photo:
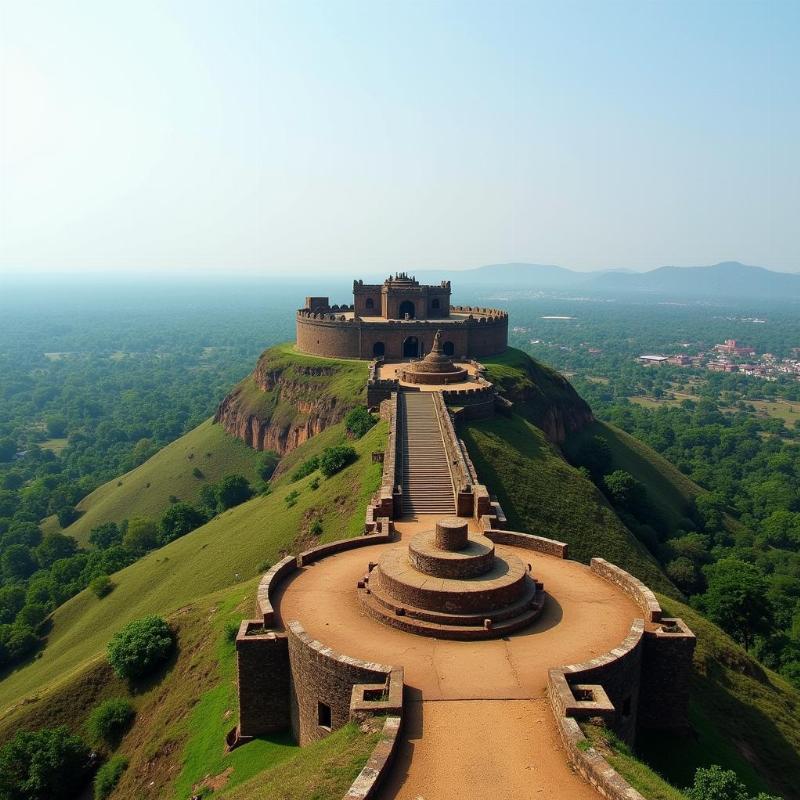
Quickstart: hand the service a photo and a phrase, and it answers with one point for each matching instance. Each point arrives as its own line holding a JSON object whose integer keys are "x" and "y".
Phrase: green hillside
{"x": 233, "y": 547}
{"x": 542, "y": 494}
{"x": 146, "y": 490}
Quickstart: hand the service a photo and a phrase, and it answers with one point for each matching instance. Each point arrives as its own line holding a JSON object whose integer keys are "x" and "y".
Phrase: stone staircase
{"x": 425, "y": 476}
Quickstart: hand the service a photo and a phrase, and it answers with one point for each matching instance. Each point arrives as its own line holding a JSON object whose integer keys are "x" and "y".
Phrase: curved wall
{"x": 335, "y": 336}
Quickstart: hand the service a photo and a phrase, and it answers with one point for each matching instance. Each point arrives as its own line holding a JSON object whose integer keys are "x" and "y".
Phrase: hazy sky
{"x": 271, "y": 137}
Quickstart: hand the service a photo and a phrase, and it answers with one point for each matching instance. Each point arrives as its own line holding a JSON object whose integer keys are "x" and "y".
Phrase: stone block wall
{"x": 530, "y": 542}
{"x": 264, "y": 681}
{"x": 322, "y": 684}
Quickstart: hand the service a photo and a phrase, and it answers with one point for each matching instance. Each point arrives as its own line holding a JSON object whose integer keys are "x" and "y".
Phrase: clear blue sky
{"x": 272, "y": 137}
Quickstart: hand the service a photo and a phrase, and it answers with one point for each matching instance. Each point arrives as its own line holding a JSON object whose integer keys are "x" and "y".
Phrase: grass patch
{"x": 321, "y": 771}
{"x": 542, "y": 494}
{"x": 145, "y": 491}
{"x": 638, "y": 774}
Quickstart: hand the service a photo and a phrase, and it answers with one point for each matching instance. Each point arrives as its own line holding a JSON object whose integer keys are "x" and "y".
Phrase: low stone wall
{"x": 528, "y": 541}
{"x": 324, "y": 682}
{"x": 266, "y": 588}
{"x": 384, "y": 502}
{"x": 339, "y": 546}
{"x": 369, "y": 780}
{"x": 633, "y": 587}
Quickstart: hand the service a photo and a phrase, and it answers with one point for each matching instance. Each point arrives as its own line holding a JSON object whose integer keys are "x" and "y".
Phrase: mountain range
{"x": 729, "y": 279}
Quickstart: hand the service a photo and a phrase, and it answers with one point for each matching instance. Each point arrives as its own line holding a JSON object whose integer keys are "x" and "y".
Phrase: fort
{"x": 398, "y": 320}
{"x": 439, "y": 619}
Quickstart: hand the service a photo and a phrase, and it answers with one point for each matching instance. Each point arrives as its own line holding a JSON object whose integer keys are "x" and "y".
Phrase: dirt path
{"x": 477, "y": 721}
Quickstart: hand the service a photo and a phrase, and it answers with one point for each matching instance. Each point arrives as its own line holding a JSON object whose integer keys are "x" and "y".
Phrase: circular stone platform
{"x": 436, "y": 368}
{"x": 451, "y": 585}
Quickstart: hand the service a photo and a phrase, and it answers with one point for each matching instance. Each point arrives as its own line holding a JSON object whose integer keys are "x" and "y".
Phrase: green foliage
{"x": 334, "y": 459}
{"x": 231, "y": 630}
{"x": 625, "y": 492}
{"x": 108, "y": 776}
{"x": 233, "y": 490}
{"x": 105, "y": 535}
{"x": 109, "y": 720}
{"x": 359, "y": 421}
{"x": 179, "y": 519}
{"x": 737, "y": 601}
{"x": 101, "y": 585}
{"x": 141, "y": 536}
{"x": 306, "y": 468}
{"x": 49, "y": 764}
{"x": 316, "y": 528}
{"x": 54, "y": 547}
{"x": 291, "y": 498}
{"x": 140, "y": 647}
{"x": 715, "y": 783}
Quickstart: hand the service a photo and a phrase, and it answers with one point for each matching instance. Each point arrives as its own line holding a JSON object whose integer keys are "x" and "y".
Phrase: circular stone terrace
{"x": 476, "y": 713}
{"x": 395, "y": 370}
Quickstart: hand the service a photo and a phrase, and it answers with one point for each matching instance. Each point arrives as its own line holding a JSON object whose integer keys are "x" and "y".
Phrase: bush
{"x": 306, "y": 468}
{"x": 232, "y": 490}
{"x": 198, "y": 473}
{"x": 266, "y": 464}
{"x": 291, "y": 498}
{"x": 316, "y": 528}
{"x": 108, "y": 777}
{"x": 359, "y": 421}
{"x": 334, "y": 459}
{"x": 140, "y": 647}
{"x": 180, "y": 519}
{"x": 109, "y": 720}
{"x": 101, "y": 585}
{"x": 232, "y": 629}
{"x": 715, "y": 783}
{"x": 48, "y": 764}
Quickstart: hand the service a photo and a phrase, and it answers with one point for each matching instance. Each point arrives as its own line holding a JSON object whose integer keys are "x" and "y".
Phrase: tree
{"x": 334, "y": 459}
{"x": 54, "y": 547}
{"x": 359, "y": 421}
{"x": 8, "y": 448}
{"x": 736, "y": 600}
{"x": 595, "y": 455}
{"x": 683, "y": 572}
{"x": 18, "y": 563}
{"x": 109, "y": 720}
{"x": 105, "y": 535}
{"x": 140, "y": 647}
{"x": 56, "y": 427}
{"x": 141, "y": 536}
{"x": 624, "y": 491}
{"x": 101, "y": 585}
{"x": 715, "y": 783}
{"x": 179, "y": 519}
{"x": 233, "y": 490}
{"x": 48, "y": 764}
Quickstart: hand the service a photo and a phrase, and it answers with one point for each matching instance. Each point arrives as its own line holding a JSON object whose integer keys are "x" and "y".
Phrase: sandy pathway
{"x": 477, "y": 722}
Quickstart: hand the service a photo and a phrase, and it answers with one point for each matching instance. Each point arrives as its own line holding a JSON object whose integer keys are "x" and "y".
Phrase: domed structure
{"x": 435, "y": 368}
{"x": 451, "y": 585}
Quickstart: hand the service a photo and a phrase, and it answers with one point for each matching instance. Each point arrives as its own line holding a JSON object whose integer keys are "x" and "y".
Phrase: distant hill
{"x": 729, "y": 279}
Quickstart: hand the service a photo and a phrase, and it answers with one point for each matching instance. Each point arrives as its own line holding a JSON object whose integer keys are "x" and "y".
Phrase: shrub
{"x": 314, "y": 484}
{"x": 231, "y": 630}
{"x": 334, "y": 459}
{"x": 109, "y": 720}
{"x": 180, "y": 519}
{"x": 316, "y": 528}
{"x": 140, "y": 647}
{"x": 359, "y": 421}
{"x": 101, "y": 585}
{"x": 233, "y": 490}
{"x": 108, "y": 777}
{"x": 306, "y": 468}
{"x": 715, "y": 783}
{"x": 291, "y": 498}
{"x": 198, "y": 473}
{"x": 48, "y": 764}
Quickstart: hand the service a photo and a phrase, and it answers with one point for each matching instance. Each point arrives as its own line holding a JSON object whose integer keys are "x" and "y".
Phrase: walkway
{"x": 477, "y": 721}
{"x": 426, "y": 481}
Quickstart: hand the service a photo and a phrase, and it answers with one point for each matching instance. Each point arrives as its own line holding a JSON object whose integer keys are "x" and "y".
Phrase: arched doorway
{"x": 369, "y": 305}
{"x": 435, "y": 304}
{"x": 448, "y": 348}
{"x": 411, "y": 347}
{"x": 379, "y": 349}
{"x": 406, "y": 307}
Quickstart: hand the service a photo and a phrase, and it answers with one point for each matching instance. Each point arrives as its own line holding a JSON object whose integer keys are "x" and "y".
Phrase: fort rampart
{"x": 469, "y": 331}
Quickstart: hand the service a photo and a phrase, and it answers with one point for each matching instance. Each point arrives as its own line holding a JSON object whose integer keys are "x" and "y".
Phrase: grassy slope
{"x": 145, "y": 491}
{"x": 542, "y": 494}
{"x": 227, "y": 550}
{"x": 339, "y": 381}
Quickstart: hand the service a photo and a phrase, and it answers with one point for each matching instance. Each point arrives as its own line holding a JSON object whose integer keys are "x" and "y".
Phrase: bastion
{"x": 398, "y": 319}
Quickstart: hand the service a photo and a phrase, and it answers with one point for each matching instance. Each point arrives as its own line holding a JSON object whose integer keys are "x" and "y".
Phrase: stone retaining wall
{"x": 366, "y": 785}
{"x": 528, "y": 541}
{"x": 633, "y": 587}
{"x": 324, "y": 683}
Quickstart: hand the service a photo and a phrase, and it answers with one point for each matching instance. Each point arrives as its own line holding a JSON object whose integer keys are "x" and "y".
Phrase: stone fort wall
{"x": 333, "y": 335}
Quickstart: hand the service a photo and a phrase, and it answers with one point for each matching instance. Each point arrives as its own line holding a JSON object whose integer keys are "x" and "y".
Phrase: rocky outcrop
{"x": 284, "y": 402}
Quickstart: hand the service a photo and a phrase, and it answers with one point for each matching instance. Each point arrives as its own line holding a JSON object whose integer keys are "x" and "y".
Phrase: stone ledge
{"x": 266, "y": 588}
{"x": 339, "y": 546}
{"x": 633, "y": 587}
{"x": 527, "y": 541}
{"x": 366, "y": 785}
